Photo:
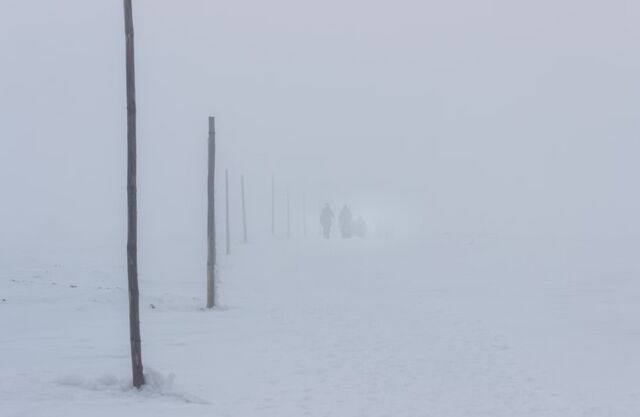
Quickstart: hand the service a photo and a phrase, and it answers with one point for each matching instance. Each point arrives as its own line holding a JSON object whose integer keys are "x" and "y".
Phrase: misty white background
{"x": 464, "y": 116}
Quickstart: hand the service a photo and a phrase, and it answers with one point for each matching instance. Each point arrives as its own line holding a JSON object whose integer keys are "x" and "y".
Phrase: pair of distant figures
{"x": 348, "y": 226}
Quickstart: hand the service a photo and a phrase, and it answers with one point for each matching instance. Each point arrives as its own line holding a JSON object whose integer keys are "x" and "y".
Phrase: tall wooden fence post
{"x": 244, "y": 211}
{"x": 132, "y": 204}
{"x": 226, "y": 193}
{"x": 211, "y": 217}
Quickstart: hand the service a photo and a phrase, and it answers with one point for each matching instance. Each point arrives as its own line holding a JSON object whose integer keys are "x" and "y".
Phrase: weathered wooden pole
{"x": 273, "y": 205}
{"x": 132, "y": 205}
{"x": 288, "y": 217}
{"x": 244, "y": 211}
{"x": 226, "y": 194}
{"x": 211, "y": 217}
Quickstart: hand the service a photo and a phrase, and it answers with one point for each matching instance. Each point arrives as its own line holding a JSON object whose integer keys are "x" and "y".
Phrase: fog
{"x": 491, "y": 146}
{"x": 463, "y": 116}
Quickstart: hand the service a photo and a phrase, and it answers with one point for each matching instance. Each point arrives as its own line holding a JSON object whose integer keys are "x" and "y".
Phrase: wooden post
{"x": 244, "y": 211}
{"x": 211, "y": 217}
{"x": 132, "y": 204}
{"x": 273, "y": 205}
{"x": 226, "y": 193}
{"x": 288, "y": 218}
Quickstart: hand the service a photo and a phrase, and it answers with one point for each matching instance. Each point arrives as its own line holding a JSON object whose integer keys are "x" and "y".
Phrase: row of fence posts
{"x": 243, "y": 212}
{"x": 132, "y": 211}
{"x": 211, "y": 214}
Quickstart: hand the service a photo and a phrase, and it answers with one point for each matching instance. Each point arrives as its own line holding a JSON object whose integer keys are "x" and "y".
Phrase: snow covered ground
{"x": 448, "y": 326}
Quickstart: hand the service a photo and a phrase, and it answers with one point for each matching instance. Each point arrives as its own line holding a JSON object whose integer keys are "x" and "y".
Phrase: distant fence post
{"x": 244, "y": 211}
{"x": 226, "y": 194}
{"x": 211, "y": 217}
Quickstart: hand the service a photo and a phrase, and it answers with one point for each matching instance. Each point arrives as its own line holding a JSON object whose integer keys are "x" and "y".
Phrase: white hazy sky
{"x": 460, "y": 115}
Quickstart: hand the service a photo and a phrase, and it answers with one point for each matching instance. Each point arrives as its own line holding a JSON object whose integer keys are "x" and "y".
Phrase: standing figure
{"x": 346, "y": 220}
{"x": 326, "y": 220}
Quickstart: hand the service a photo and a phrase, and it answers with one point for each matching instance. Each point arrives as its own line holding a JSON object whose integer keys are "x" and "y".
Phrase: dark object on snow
{"x": 326, "y": 220}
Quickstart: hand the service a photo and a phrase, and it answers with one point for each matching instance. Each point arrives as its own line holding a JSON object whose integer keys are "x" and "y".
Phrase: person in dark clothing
{"x": 326, "y": 220}
{"x": 346, "y": 222}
